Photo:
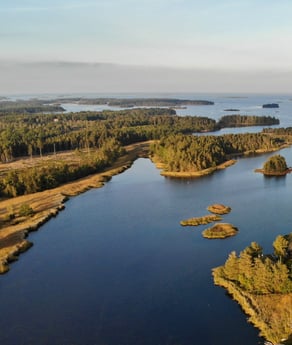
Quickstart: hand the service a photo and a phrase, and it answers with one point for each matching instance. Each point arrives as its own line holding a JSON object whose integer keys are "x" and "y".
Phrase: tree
{"x": 275, "y": 165}
{"x": 280, "y": 247}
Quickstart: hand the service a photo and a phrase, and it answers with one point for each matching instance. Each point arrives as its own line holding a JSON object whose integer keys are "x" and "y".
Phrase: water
{"x": 116, "y": 268}
{"x": 248, "y": 104}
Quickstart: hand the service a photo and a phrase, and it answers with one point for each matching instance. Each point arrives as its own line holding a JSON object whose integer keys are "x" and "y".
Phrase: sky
{"x": 145, "y": 45}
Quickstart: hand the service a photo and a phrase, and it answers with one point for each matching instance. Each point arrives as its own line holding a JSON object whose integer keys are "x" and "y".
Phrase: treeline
{"x": 32, "y": 106}
{"x": 278, "y": 131}
{"x": 247, "y": 120}
{"x": 261, "y": 274}
{"x": 188, "y": 153}
{"x": 38, "y": 134}
{"x": 134, "y": 102}
{"x": 52, "y": 174}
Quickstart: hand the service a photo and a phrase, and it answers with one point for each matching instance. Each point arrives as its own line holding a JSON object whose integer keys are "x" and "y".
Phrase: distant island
{"x": 137, "y": 102}
{"x": 271, "y": 105}
{"x": 246, "y": 120}
{"x": 231, "y": 109}
{"x": 262, "y": 285}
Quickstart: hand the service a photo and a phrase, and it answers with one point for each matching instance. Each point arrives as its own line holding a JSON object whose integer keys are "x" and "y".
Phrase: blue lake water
{"x": 116, "y": 267}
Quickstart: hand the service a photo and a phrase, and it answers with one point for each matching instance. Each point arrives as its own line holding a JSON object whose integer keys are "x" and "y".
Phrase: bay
{"x": 116, "y": 267}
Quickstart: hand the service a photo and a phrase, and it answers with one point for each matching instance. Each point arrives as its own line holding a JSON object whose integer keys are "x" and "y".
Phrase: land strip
{"x": 47, "y": 204}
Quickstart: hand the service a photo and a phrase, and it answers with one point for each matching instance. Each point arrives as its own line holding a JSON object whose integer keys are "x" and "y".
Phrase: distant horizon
{"x": 61, "y": 46}
{"x": 79, "y": 77}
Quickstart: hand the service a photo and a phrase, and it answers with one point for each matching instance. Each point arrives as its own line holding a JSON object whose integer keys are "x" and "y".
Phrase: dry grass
{"x": 220, "y": 230}
{"x": 272, "y": 313}
{"x": 219, "y": 209}
{"x": 200, "y": 220}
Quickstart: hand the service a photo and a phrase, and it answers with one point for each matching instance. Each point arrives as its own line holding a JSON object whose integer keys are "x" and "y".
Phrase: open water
{"x": 116, "y": 267}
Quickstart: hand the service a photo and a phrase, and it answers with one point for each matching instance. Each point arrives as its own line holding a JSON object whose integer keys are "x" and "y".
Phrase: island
{"x": 246, "y": 121}
{"x": 275, "y": 166}
{"x": 195, "y": 221}
{"x": 231, "y": 109}
{"x": 219, "y": 209}
{"x": 133, "y": 102}
{"x": 262, "y": 285}
{"x": 271, "y": 105}
{"x": 220, "y": 231}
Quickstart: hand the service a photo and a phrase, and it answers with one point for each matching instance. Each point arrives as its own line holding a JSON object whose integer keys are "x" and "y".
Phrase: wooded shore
{"x": 47, "y": 204}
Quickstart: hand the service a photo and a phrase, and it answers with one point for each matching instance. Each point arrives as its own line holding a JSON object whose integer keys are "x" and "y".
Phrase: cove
{"x": 116, "y": 267}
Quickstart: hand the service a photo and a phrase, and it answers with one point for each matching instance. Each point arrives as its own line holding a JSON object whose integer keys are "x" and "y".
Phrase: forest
{"x": 181, "y": 153}
{"x": 98, "y": 138}
{"x": 246, "y": 120}
{"x": 260, "y": 273}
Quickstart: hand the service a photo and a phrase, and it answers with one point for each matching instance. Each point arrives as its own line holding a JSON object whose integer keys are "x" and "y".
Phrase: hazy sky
{"x": 164, "y": 36}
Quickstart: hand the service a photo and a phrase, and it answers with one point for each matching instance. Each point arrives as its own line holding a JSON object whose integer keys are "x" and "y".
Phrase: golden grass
{"x": 220, "y": 230}
{"x": 195, "y": 221}
{"x": 219, "y": 209}
{"x": 271, "y": 314}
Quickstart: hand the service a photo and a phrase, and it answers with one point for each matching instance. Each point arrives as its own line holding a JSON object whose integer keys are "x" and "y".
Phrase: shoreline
{"x": 47, "y": 204}
{"x": 253, "y": 305}
{"x": 194, "y": 174}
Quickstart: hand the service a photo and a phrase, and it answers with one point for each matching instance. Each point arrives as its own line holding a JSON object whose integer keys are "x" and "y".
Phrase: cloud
{"x": 68, "y": 77}
{"x": 40, "y": 8}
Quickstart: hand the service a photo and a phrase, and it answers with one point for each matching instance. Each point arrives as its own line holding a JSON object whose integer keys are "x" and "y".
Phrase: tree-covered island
{"x": 262, "y": 285}
{"x": 275, "y": 166}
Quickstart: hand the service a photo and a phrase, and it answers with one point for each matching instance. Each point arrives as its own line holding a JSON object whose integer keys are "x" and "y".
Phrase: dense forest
{"x": 258, "y": 273}
{"x": 99, "y": 137}
{"x": 30, "y": 106}
{"x": 192, "y": 153}
{"x": 262, "y": 284}
{"x": 32, "y": 134}
{"x": 136, "y": 102}
{"x": 247, "y": 120}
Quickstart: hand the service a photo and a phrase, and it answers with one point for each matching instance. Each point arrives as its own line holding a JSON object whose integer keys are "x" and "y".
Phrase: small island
{"x": 220, "y": 230}
{"x": 271, "y": 105}
{"x": 219, "y": 209}
{"x": 275, "y": 166}
{"x": 231, "y": 109}
{"x": 195, "y": 221}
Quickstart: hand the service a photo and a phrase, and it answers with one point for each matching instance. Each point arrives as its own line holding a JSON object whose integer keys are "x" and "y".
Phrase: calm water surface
{"x": 116, "y": 268}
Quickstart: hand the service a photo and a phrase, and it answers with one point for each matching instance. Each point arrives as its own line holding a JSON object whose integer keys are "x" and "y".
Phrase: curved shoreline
{"x": 192, "y": 174}
{"x": 251, "y": 305}
{"x": 49, "y": 203}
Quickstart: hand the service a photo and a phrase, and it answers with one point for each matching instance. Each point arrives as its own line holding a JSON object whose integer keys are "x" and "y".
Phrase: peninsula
{"x": 16, "y": 224}
{"x": 261, "y": 284}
